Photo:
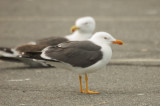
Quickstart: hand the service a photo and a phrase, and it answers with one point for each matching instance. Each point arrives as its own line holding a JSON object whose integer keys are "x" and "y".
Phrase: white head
{"x": 103, "y": 38}
{"x": 84, "y": 25}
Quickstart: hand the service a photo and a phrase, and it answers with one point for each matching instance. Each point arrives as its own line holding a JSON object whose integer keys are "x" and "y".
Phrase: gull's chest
{"x": 107, "y": 54}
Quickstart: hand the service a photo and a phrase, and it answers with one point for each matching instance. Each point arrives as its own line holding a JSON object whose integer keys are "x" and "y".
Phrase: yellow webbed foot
{"x": 89, "y": 92}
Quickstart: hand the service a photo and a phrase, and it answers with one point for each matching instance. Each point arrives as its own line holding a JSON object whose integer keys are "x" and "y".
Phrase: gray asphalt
{"x": 136, "y": 22}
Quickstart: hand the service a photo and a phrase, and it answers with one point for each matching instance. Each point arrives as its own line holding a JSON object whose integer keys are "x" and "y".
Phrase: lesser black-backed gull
{"x": 82, "y": 57}
{"x": 82, "y": 30}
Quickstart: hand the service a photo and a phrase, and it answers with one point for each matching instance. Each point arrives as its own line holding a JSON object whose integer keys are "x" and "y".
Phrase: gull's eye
{"x": 105, "y": 38}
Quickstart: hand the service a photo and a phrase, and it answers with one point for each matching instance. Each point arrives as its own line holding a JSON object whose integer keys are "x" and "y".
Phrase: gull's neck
{"x": 79, "y": 36}
{"x": 105, "y": 49}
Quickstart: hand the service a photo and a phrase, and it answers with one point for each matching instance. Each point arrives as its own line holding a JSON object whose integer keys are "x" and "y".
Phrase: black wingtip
{"x": 7, "y": 50}
{"x": 32, "y": 55}
{"x": 10, "y": 59}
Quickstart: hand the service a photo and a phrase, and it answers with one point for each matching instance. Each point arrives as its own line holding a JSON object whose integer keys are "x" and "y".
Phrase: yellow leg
{"x": 86, "y": 79}
{"x": 88, "y": 91}
{"x": 80, "y": 80}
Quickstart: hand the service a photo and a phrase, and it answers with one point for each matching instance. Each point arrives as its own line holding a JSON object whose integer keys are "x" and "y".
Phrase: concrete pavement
{"x": 121, "y": 83}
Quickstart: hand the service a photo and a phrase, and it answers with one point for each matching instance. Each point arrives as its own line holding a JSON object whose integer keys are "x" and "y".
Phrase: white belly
{"x": 107, "y": 54}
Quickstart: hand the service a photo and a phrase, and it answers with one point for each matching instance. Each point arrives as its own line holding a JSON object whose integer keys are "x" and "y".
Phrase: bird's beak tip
{"x": 118, "y": 42}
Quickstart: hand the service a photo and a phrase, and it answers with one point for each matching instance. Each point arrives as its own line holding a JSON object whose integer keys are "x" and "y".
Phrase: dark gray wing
{"x": 51, "y": 41}
{"x": 30, "y": 48}
{"x": 76, "y": 53}
{"x": 41, "y": 44}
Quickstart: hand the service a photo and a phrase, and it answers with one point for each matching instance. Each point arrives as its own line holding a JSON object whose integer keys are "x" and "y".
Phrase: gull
{"x": 81, "y": 57}
{"x": 82, "y": 30}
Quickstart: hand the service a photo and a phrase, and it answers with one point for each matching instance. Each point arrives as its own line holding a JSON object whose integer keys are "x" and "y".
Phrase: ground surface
{"x": 122, "y": 83}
